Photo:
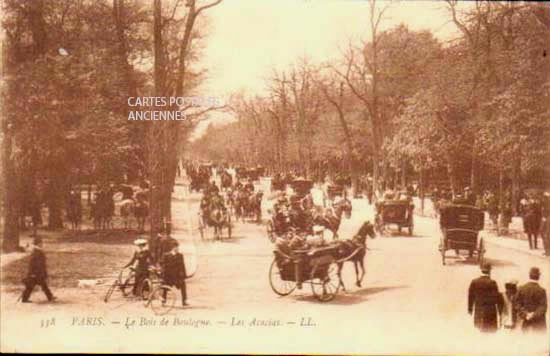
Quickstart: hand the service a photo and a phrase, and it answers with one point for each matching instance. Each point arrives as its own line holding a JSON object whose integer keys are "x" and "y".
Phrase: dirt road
{"x": 409, "y": 303}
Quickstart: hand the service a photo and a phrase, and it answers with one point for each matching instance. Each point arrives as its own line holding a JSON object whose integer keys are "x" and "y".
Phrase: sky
{"x": 247, "y": 39}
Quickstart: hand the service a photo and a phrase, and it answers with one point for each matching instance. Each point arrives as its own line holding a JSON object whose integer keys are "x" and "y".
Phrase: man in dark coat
{"x": 532, "y": 303}
{"x": 163, "y": 244}
{"x": 173, "y": 272}
{"x": 37, "y": 274}
{"x": 485, "y": 301}
{"x": 532, "y": 219}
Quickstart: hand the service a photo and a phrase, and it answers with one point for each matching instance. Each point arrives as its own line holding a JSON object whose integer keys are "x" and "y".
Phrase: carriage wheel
{"x": 326, "y": 287}
{"x": 162, "y": 299}
{"x": 481, "y": 252}
{"x": 269, "y": 228}
{"x": 278, "y": 285}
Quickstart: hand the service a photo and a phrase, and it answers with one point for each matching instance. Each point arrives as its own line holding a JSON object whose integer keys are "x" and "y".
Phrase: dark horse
{"x": 218, "y": 220}
{"x": 249, "y": 205}
{"x": 332, "y": 219}
{"x": 354, "y": 250}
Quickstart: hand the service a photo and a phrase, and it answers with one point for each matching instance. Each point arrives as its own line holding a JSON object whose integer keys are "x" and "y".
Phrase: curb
{"x": 490, "y": 240}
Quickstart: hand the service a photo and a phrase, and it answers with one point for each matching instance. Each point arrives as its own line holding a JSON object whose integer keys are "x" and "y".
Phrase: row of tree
{"x": 69, "y": 68}
{"x": 475, "y": 108}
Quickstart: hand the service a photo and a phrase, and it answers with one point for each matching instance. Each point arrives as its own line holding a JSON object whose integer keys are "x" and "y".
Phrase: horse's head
{"x": 366, "y": 229}
{"x": 344, "y": 206}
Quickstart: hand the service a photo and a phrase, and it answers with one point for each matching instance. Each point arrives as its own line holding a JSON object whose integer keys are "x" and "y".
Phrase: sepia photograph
{"x": 273, "y": 177}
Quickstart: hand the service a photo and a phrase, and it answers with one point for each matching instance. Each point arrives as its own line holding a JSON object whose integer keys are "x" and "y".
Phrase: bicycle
{"x": 123, "y": 282}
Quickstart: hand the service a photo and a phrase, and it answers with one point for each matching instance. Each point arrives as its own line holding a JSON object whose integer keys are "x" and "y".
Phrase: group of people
{"x": 165, "y": 255}
{"x": 521, "y": 307}
{"x": 287, "y": 215}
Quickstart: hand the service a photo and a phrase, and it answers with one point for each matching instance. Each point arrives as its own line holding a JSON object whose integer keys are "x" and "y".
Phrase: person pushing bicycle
{"x": 142, "y": 259}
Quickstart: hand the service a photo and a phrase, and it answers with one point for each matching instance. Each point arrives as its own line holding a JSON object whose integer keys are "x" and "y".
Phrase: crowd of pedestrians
{"x": 518, "y": 308}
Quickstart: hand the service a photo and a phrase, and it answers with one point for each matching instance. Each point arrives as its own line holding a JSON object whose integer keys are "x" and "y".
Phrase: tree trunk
{"x": 451, "y": 172}
{"x": 11, "y": 199}
{"x": 422, "y": 192}
{"x": 516, "y": 184}
{"x": 55, "y": 220}
{"x": 474, "y": 175}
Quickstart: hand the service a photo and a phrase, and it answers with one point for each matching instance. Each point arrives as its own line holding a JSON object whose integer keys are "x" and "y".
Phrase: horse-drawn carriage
{"x": 216, "y": 215}
{"x": 317, "y": 267}
{"x": 396, "y": 212}
{"x": 460, "y": 226}
{"x": 296, "y": 214}
{"x": 320, "y": 266}
{"x": 252, "y": 174}
{"x": 200, "y": 176}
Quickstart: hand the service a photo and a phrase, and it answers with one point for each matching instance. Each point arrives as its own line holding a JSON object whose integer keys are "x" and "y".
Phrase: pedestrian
{"x": 532, "y": 304}
{"x": 37, "y": 273}
{"x": 532, "y": 219}
{"x": 509, "y": 311}
{"x": 142, "y": 259}
{"x": 484, "y": 301}
{"x": 173, "y": 272}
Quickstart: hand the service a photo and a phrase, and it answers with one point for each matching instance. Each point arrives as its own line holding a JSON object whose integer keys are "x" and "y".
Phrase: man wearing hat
{"x": 143, "y": 259}
{"x": 173, "y": 271}
{"x": 532, "y": 303}
{"x": 37, "y": 274}
{"x": 484, "y": 300}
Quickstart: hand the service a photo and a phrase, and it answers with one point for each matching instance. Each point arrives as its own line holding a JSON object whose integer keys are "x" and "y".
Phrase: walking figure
{"x": 532, "y": 304}
{"x": 484, "y": 300}
{"x": 173, "y": 272}
{"x": 37, "y": 274}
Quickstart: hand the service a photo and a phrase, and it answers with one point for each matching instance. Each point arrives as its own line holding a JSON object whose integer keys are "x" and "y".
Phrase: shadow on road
{"x": 349, "y": 297}
{"x": 396, "y": 234}
{"x": 499, "y": 263}
{"x": 224, "y": 239}
{"x": 473, "y": 261}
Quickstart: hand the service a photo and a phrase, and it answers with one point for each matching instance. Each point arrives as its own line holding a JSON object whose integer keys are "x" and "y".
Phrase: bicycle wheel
{"x": 146, "y": 288}
{"x": 129, "y": 281}
{"x": 162, "y": 299}
{"x": 110, "y": 291}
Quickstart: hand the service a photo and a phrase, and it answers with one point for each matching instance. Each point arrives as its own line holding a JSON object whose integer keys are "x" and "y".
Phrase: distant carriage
{"x": 215, "y": 217}
{"x": 460, "y": 226}
{"x": 394, "y": 212}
